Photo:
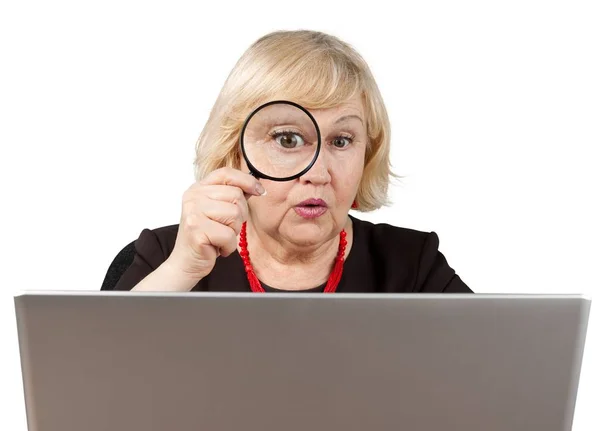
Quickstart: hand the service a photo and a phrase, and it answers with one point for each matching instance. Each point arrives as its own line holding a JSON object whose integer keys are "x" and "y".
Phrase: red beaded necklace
{"x": 332, "y": 282}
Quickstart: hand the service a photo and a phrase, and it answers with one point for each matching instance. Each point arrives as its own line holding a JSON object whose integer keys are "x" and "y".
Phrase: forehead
{"x": 352, "y": 106}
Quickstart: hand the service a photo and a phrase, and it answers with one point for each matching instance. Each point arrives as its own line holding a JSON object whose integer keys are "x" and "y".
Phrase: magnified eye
{"x": 288, "y": 139}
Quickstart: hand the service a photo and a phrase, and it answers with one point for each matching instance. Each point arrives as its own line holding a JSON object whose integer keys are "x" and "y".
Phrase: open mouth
{"x": 311, "y": 208}
{"x": 312, "y": 203}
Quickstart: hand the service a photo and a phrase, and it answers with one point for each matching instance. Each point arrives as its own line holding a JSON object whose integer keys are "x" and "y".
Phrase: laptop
{"x": 132, "y": 361}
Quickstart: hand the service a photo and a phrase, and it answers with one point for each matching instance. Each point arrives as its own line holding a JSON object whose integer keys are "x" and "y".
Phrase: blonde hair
{"x": 314, "y": 69}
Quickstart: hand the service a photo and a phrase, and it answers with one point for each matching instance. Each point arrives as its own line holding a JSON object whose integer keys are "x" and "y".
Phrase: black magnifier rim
{"x": 258, "y": 174}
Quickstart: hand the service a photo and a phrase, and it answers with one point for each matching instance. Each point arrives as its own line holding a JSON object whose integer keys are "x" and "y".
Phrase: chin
{"x": 309, "y": 232}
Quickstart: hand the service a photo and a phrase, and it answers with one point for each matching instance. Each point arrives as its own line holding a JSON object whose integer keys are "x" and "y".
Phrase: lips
{"x": 312, "y": 203}
{"x": 311, "y": 208}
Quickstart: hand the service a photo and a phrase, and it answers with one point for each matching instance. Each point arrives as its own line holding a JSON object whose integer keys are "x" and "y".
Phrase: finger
{"x": 197, "y": 199}
{"x": 242, "y": 208}
{"x": 220, "y": 236}
{"x": 204, "y": 195}
{"x": 221, "y": 192}
{"x": 223, "y": 212}
{"x": 237, "y": 178}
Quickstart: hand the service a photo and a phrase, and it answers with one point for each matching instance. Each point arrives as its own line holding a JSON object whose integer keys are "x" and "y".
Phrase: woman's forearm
{"x": 166, "y": 278}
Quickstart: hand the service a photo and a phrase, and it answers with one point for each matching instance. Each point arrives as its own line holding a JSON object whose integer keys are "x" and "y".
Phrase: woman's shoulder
{"x": 154, "y": 245}
{"x": 410, "y": 254}
{"x": 163, "y": 237}
{"x": 394, "y": 244}
{"x": 390, "y": 237}
{"x": 140, "y": 257}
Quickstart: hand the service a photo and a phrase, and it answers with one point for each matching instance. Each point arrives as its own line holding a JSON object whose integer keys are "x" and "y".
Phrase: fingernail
{"x": 260, "y": 189}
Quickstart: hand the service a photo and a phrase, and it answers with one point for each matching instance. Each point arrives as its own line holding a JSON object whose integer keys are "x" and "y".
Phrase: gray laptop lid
{"x": 286, "y": 362}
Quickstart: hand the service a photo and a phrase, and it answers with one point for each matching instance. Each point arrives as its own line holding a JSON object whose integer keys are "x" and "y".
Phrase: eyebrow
{"x": 347, "y": 117}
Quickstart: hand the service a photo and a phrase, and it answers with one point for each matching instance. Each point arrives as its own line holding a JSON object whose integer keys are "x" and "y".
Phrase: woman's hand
{"x": 212, "y": 214}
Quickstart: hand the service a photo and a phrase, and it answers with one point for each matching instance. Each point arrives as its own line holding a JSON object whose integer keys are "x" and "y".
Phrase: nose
{"x": 319, "y": 173}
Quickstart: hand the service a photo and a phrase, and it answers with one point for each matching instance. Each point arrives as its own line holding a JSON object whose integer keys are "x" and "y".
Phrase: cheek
{"x": 347, "y": 174}
{"x": 277, "y": 193}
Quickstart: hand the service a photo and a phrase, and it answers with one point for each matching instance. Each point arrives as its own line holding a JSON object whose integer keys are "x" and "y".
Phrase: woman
{"x": 238, "y": 233}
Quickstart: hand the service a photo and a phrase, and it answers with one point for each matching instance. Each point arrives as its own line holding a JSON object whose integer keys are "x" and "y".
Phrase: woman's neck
{"x": 287, "y": 266}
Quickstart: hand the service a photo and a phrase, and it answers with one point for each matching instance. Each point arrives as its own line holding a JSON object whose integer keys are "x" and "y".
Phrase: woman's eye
{"x": 341, "y": 142}
{"x": 289, "y": 140}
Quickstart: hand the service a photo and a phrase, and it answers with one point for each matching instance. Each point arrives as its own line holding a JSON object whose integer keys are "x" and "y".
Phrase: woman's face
{"x": 313, "y": 208}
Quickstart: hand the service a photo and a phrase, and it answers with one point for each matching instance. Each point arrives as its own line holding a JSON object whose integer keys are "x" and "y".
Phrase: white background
{"x": 495, "y": 108}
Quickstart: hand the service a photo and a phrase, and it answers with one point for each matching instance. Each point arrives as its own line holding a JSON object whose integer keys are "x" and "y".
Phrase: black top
{"x": 383, "y": 258}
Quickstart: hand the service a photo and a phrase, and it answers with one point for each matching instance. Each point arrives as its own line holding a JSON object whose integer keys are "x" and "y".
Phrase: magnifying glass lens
{"x": 280, "y": 140}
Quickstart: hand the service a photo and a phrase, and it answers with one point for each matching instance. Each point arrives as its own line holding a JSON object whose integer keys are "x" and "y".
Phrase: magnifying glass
{"x": 280, "y": 141}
